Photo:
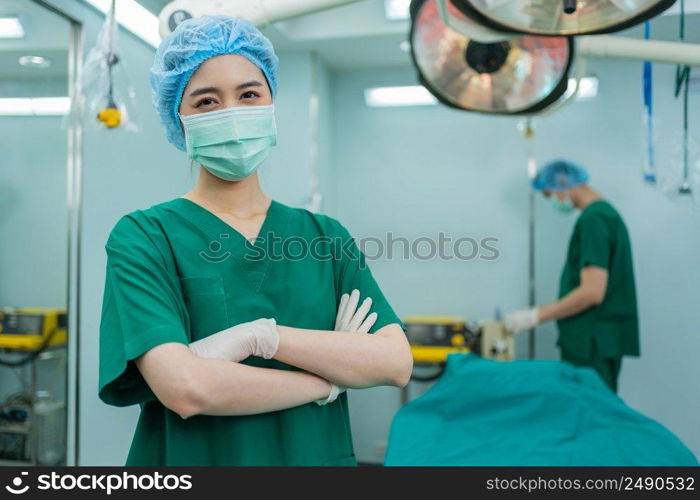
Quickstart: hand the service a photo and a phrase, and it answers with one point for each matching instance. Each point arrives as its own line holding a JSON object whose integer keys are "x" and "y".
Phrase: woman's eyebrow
{"x": 215, "y": 90}
{"x": 204, "y": 90}
{"x": 250, "y": 83}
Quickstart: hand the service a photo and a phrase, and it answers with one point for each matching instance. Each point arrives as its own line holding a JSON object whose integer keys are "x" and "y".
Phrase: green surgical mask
{"x": 564, "y": 206}
{"x": 231, "y": 143}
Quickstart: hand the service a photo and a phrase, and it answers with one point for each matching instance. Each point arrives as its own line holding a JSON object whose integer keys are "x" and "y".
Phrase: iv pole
{"x": 529, "y": 134}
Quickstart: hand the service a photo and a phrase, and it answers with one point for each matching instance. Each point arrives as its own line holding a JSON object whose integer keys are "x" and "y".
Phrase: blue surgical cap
{"x": 558, "y": 175}
{"x": 193, "y": 42}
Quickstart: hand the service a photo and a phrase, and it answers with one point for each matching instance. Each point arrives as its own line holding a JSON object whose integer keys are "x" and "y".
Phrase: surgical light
{"x": 414, "y": 95}
{"x": 561, "y": 17}
{"x": 10, "y": 27}
{"x": 519, "y": 75}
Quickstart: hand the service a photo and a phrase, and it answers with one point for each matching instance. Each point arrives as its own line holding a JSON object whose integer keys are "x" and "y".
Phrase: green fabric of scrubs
{"x": 607, "y": 367}
{"x": 599, "y": 336}
{"x": 178, "y": 273}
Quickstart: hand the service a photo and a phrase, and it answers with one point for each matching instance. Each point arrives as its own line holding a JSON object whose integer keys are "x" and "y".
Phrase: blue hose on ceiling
{"x": 647, "y": 91}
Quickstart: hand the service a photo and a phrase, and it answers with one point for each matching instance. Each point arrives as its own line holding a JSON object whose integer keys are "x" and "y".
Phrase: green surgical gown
{"x": 178, "y": 273}
{"x": 610, "y": 329}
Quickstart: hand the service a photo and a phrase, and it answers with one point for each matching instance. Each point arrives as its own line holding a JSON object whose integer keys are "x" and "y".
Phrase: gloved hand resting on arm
{"x": 255, "y": 338}
{"x": 350, "y": 319}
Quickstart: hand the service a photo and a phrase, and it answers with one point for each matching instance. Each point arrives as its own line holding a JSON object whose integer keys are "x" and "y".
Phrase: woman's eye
{"x": 207, "y": 101}
{"x": 249, "y": 95}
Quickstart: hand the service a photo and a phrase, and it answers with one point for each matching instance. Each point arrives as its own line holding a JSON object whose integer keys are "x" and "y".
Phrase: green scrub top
{"x": 610, "y": 329}
{"x": 178, "y": 273}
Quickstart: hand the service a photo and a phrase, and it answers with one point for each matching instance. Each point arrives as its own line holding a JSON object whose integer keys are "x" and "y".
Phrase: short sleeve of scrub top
{"x": 141, "y": 309}
{"x": 594, "y": 241}
{"x": 353, "y": 272}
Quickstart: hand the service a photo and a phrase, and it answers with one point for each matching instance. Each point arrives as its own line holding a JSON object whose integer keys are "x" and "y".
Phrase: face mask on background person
{"x": 231, "y": 143}
{"x": 565, "y": 206}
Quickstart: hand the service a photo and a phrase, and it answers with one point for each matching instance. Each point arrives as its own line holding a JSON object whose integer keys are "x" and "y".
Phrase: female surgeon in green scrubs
{"x": 230, "y": 318}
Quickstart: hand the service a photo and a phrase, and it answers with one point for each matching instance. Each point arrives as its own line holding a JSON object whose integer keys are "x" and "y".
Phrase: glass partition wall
{"x": 38, "y": 223}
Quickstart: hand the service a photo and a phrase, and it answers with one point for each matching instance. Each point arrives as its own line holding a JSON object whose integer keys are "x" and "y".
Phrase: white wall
{"x": 286, "y": 177}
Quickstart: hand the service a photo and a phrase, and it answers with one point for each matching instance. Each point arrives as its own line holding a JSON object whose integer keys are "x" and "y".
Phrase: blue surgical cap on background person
{"x": 185, "y": 49}
{"x": 558, "y": 175}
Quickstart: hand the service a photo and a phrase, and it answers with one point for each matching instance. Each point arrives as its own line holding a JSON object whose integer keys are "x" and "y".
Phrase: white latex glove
{"x": 350, "y": 318}
{"x": 255, "y": 338}
{"x": 335, "y": 392}
{"x": 525, "y": 319}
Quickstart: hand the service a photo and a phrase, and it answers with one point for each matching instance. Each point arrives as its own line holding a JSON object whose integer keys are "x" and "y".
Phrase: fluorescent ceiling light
{"x": 10, "y": 27}
{"x": 35, "y": 62}
{"x": 587, "y": 87}
{"x": 134, "y": 17}
{"x": 397, "y": 10}
{"x": 416, "y": 95}
{"x": 34, "y": 106}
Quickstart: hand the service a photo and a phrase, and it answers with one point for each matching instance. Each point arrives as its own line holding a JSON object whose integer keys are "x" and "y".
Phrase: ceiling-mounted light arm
{"x": 259, "y": 12}
{"x": 470, "y": 28}
{"x": 599, "y": 46}
{"x": 263, "y": 12}
{"x": 604, "y": 46}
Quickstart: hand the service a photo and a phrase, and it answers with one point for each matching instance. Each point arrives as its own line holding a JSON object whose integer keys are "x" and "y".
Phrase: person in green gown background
{"x": 597, "y": 308}
{"x": 233, "y": 320}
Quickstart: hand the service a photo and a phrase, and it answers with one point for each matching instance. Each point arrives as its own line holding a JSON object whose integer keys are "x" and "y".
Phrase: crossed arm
{"x": 191, "y": 385}
{"x": 349, "y": 359}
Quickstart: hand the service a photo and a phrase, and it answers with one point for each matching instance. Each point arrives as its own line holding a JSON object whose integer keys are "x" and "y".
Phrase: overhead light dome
{"x": 521, "y": 75}
{"x": 561, "y": 17}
